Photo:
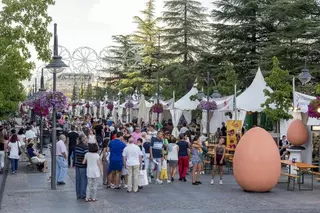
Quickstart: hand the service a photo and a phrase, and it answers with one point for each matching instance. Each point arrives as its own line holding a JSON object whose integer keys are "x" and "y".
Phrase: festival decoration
{"x": 129, "y": 105}
{"x": 157, "y": 108}
{"x": 54, "y": 99}
{"x": 207, "y": 105}
{"x": 39, "y": 109}
{"x": 110, "y": 106}
{"x": 314, "y": 108}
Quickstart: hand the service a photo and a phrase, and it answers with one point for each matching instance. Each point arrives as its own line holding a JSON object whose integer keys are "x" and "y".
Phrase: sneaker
{"x": 195, "y": 183}
{"x": 172, "y": 179}
{"x": 202, "y": 173}
{"x": 212, "y": 182}
{"x": 149, "y": 179}
{"x": 221, "y": 182}
{"x": 112, "y": 186}
{"x": 168, "y": 181}
{"x": 158, "y": 181}
{"x": 125, "y": 186}
{"x": 184, "y": 180}
{"x": 199, "y": 182}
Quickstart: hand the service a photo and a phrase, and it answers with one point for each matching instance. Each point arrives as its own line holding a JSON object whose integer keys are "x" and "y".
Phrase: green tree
{"x": 122, "y": 55}
{"x": 227, "y": 79}
{"x": 88, "y": 95}
{"x": 99, "y": 92}
{"x": 74, "y": 93}
{"x": 186, "y": 30}
{"x": 279, "y": 100}
{"x": 22, "y": 24}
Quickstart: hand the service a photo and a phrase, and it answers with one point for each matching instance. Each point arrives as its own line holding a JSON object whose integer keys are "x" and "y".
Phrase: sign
{"x": 234, "y": 132}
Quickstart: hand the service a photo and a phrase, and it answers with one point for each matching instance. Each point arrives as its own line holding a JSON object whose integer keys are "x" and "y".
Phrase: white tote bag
{"x": 143, "y": 178}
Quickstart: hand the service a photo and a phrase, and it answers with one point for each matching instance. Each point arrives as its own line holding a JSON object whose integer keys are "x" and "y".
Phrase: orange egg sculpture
{"x": 297, "y": 133}
{"x": 256, "y": 163}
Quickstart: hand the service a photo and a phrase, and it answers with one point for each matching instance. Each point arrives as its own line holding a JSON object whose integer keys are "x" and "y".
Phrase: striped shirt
{"x": 80, "y": 150}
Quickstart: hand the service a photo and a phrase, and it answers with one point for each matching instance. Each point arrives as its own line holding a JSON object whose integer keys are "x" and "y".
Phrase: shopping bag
{"x": 143, "y": 178}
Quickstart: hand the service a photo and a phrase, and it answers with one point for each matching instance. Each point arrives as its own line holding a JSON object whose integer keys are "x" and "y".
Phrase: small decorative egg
{"x": 297, "y": 133}
{"x": 256, "y": 164}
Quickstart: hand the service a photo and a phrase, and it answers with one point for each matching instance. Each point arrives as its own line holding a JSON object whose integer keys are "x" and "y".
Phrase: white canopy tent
{"x": 185, "y": 103}
{"x": 252, "y": 98}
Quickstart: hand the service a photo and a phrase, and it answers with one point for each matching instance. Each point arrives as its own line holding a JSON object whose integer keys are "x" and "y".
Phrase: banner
{"x": 234, "y": 132}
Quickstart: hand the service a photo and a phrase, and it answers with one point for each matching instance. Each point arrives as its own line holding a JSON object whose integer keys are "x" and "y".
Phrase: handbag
{"x": 19, "y": 150}
{"x": 143, "y": 178}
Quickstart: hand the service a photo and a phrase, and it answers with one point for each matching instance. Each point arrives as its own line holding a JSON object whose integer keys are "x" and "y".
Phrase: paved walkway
{"x": 29, "y": 192}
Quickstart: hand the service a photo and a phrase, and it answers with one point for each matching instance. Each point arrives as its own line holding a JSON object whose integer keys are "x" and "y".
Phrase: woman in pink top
{"x": 136, "y": 135}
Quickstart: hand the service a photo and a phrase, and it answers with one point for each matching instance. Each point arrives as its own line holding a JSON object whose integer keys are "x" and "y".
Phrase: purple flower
{"x": 129, "y": 105}
{"x": 313, "y": 108}
{"x": 207, "y": 105}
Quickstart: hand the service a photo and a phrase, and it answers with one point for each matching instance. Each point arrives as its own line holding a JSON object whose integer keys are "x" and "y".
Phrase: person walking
{"x": 157, "y": 154}
{"x": 132, "y": 159}
{"x": 115, "y": 148}
{"x": 94, "y": 171}
{"x": 61, "y": 156}
{"x": 2, "y": 152}
{"x": 72, "y": 141}
{"x": 173, "y": 150}
{"x": 219, "y": 161}
{"x": 183, "y": 157}
{"x": 81, "y": 169}
{"x": 14, "y": 152}
{"x": 196, "y": 160}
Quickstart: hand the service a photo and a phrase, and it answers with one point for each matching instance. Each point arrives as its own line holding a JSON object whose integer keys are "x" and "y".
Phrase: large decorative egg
{"x": 297, "y": 133}
{"x": 256, "y": 164}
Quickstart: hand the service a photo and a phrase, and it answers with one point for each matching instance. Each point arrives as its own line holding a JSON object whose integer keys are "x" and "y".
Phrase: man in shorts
{"x": 157, "y": 154}
{"x": 115, "y": 148}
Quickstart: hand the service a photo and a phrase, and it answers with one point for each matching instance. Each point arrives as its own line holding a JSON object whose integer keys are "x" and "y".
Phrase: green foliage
{"x": 88, "y": 95}
{"x": 23, "y": 24}
{"x": 99, "y": 92}
{"x": 121, "y": 55}
{"x": 186, "y": 29}
{"x": 74, "y": 93}
{"x": 278, "y": 81}
{"x": 227, "y": 79}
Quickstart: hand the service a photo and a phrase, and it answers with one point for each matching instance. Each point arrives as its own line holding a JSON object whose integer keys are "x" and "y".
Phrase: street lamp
{"x": 215, "y": 94}
{"x": 56, "y": 66}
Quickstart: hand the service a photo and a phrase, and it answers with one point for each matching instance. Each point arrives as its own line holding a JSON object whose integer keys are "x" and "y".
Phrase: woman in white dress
{"x": 14, "y": 147}
{"x": 92, "y": 137}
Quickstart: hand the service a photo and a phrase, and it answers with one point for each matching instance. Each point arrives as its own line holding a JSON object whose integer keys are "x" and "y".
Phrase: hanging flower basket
{"x": 39, "y": 109}
{"x": 129, "y": 105}
{"x": 314, "y": 108}
{"x": 110, "y": 106}
{"x": 207, "y": 105}
{"x": 157, "y": 108}
{"x": 53, "y": 99}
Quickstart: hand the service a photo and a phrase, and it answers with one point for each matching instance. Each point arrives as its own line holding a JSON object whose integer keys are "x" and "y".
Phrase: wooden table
{"x": 302, "y": 169}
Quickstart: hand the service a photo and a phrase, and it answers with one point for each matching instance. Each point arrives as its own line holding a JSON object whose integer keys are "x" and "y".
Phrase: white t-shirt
{"x": 61, "y": 148}
{"x": 173, "y": 154}
{"x": 132, "y": 153}
{"x": 30, "y": 134}
{"x": 14, "y": 151}
{"x": 22, "y": 138}
{"x": 164, "y": 164}
{"x": 183, "y": 130}
{"x": 153, "y": 134}
{"x": 93, "y": 170}
{"x": 92, "y": 139}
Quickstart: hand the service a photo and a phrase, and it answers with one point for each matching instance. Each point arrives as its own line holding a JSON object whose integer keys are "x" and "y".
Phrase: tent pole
{"x": 235, "y": 103}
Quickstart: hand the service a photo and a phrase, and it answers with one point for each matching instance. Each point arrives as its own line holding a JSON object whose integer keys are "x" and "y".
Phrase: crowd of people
{"x": 125, "y": 154}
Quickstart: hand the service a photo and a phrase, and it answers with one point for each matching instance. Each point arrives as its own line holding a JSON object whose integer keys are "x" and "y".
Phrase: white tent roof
{"x": 185, "y": 103}
{"x": 252, "y": 98}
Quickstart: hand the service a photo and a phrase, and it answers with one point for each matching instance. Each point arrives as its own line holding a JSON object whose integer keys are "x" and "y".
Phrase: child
{"x": 164, "y": 172}
{"x": 94, "y": 171}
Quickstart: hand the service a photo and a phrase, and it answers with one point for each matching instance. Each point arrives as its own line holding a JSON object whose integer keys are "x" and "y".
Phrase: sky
{"x": 92, "y": 23}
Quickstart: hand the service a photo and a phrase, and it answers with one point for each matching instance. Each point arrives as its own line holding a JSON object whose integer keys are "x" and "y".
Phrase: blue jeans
{"x": 14, "y": 164}
{"x": 73, "y": 154}
{"x": 81, "y": 182}
{"x": 62, "y": 168}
